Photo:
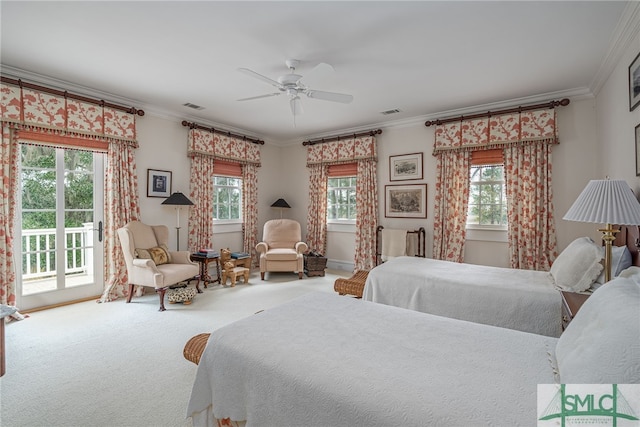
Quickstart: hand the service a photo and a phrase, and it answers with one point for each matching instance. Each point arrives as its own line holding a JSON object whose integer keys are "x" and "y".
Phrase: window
{"x": 487, "y": 197}
{"x": 341, "y": 199}
{"x": 227, "y": 198}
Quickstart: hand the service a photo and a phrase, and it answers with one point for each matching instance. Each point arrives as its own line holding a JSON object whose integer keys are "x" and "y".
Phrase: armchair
{"x": 281, "y": 248}
{"x": 149, "y": 261}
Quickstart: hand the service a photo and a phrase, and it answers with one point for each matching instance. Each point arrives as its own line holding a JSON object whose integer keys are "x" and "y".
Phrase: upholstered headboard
{"x": 629, "y": 235}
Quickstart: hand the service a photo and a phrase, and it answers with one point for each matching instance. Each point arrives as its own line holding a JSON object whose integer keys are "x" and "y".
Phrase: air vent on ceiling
{"x": 394, "y": 111}
{"x": 194, "y": 106}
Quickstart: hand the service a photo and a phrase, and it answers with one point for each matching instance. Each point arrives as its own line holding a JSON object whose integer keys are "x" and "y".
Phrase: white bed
{"x": 523, "y": 300}
{"x": 325, "y": 360}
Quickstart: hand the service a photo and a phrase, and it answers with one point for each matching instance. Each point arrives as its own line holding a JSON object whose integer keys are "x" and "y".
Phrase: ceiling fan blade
{"x": 329, "y": 96}
{"x": 260, "y": 96}
{"x": 265, "y": 79}
{"x": 296, "y": 106}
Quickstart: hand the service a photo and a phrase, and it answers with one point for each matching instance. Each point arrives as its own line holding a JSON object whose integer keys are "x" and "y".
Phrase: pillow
{"x": 620, "y": 260}
{"x": 632, "y": 273}
{"x": 578, "y": 266}
{"x": 600, "y": 345}
{"x": 159, "y": 254}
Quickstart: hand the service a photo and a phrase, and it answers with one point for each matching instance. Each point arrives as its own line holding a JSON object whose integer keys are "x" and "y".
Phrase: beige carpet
{"x": 118, "y": 364}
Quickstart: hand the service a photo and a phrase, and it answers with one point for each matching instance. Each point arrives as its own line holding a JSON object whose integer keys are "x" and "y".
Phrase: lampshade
{"x": 178, "y": 199}
{"x": 280, "y": 203}
{"x": 606, "y": 202}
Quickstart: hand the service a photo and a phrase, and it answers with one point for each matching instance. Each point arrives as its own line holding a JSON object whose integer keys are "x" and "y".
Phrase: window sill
{"x": 487, "y": 234}
{"x": 341, "y": 227}
{"x": 227, "y": 227}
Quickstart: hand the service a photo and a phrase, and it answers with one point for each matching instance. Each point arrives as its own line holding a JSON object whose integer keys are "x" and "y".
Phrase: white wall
{"x": 616, "y": 124}
{"x": 163, "y": 146}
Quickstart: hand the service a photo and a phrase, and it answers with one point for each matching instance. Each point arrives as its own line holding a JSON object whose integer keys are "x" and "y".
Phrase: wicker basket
{"x": 354, "y": 285}
{"x": 194, "y": 348}
{"x": 314, "y": 265}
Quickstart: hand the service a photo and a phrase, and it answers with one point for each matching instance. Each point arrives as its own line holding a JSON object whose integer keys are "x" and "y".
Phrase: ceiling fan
{"x": 292, "y": 85}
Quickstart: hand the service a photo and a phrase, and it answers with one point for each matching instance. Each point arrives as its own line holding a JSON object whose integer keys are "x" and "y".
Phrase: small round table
{"x": 204, "y": 267}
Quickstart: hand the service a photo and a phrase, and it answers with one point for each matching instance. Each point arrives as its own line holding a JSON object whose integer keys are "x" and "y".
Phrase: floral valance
{"x": 220, "y": 146}
{"x": 343, "y": 151}
{"x": 39, "y": 111}
{"x": 495, "y": 131}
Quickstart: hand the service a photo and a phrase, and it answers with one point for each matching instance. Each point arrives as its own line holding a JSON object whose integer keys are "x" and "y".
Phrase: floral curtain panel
{"x": 528, "y": 183}
{"x": 532, "y": 232}
{"x": 451, "y": 201}
{"x": 204, "y": 147}
{"x": 366, "y": 214}
{"x": 122, "y": 205}
{"x": 201, "y": 194}
{"x": 363, "y": 151}
{"x": 9, "y": 177}
{"x": 250, "y": 209}
{"x": 55, "y": 120}
{"x": 317, "y": 212}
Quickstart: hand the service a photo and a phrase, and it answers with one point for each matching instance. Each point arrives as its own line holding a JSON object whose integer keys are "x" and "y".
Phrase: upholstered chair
{"x": 281, "y": 248}
{"x": 149, "y": 261}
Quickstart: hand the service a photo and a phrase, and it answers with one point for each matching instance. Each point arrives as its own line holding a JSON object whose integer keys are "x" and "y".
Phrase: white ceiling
{"x": 421, "y": 57}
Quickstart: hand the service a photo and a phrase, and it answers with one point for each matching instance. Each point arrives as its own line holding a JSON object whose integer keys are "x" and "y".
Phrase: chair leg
{"x": 161, "y": 292}
{"x": 130, "y": 293}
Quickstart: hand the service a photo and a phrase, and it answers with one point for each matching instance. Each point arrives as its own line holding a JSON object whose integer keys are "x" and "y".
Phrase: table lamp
{"x": 607, "y": 202}
{"x": 178, "y": 199}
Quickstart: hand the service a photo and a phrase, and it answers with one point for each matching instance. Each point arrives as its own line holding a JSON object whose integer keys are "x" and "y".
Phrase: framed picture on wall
{"x": 158, "y": 183}
{"x": 638, "y": 150}
{"x": 634, "y": 83}
{"x": 405, "y": 201}
{"x": 405, "y": 167}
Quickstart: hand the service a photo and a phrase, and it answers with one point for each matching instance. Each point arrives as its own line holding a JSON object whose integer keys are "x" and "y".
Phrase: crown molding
{"x": 625, "y": 33}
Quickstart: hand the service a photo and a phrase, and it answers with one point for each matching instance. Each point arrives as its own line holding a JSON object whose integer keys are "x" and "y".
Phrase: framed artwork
{"x": 634, "y": 83}
{"x": 405, "y": 167}
{"x": 158, "y": 183}
{"x": 638, "y": 150}
{"x": 405, "y": 201}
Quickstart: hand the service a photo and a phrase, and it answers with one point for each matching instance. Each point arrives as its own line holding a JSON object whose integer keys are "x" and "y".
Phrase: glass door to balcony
{"x": 60, "y": 226}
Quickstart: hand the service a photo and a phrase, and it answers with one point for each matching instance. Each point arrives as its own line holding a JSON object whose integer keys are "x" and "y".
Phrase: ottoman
{"x": 183, "y": 295}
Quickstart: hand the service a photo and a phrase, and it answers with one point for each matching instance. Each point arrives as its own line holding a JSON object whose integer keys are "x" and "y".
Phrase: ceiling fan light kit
{"x": 291, "y": 85}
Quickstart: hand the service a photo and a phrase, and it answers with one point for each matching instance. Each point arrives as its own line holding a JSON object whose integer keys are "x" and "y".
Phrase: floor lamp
{"x": 282, "y": 204}
{"x": 178, "y": 200}
{"x": 607, "y": 202}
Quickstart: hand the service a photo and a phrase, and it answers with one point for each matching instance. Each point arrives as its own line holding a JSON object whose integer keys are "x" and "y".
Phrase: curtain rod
{"x": 551, "y": 104}
{"x": 338, "y": 138}
{"x": 222, "y": 132}
{"x": 66, "y": 94}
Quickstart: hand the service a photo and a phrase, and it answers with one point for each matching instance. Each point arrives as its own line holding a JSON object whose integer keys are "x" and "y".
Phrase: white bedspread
{"x": 524, "y": 300}
{"x": 325, "y": 360}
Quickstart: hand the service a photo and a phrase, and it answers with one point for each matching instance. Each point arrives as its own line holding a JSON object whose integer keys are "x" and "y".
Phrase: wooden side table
{"x": 204, "y": 261}
{"x": 571, "y": 303}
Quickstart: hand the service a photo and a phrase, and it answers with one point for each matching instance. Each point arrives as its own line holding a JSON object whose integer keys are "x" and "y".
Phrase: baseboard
{"x": 335, "y": 264}
{"x": 61, "y": 304}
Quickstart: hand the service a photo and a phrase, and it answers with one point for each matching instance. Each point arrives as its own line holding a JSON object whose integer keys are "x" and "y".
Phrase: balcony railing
{"x": 39, "y": 252}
